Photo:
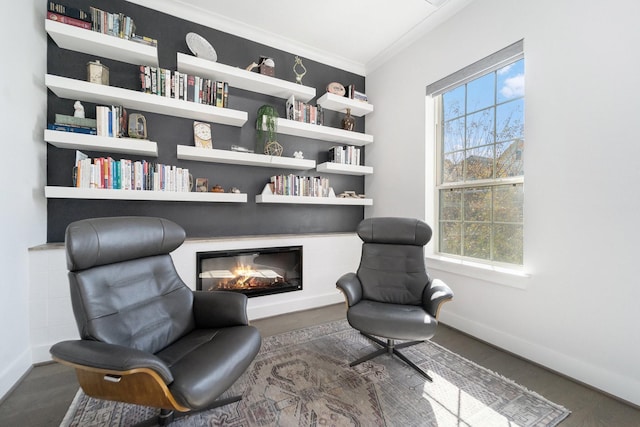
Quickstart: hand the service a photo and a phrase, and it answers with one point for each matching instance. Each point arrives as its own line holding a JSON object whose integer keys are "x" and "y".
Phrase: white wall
{"x": 577, "y": 312}
{"x": 325, "y": 258}
{"x": 23, "y": 215}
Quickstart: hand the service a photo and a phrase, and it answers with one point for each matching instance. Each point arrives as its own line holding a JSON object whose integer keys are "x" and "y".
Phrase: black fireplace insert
{"x": 253, "y": 272}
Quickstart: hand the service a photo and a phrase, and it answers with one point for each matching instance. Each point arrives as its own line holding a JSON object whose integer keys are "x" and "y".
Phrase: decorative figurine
{"x": 78, "y": 110}
{"x": 299, "y": 76}
{"x": 348, "y": 122}
{"x": 298, "y": 155}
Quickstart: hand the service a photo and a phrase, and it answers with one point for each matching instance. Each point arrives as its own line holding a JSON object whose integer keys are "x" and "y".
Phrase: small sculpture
{"x": 234, "y": 190}
{"x": 78, "y": 109}
{"x": 299, "y": 76}
{"x": 298, "y": 155}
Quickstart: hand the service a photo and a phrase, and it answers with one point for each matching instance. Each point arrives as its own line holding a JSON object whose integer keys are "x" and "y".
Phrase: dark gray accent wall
{"x": 203, "y": 219}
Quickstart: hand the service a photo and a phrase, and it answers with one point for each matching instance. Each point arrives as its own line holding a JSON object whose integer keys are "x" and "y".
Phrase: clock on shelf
{"x": 202, "y": 134}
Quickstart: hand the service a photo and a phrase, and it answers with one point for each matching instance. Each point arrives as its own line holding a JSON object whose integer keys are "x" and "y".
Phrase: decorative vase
{"x": 348, "y": 122}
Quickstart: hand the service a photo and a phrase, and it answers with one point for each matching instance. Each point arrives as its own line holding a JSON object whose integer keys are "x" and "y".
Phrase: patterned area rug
{"x": 303, "y": 378}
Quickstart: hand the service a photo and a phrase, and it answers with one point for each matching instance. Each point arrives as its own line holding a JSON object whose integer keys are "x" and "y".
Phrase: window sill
{"x": 499, "y": 275}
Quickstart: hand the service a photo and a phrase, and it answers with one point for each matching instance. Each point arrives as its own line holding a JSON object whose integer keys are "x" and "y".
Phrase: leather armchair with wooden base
{"x": 145, "y": 337}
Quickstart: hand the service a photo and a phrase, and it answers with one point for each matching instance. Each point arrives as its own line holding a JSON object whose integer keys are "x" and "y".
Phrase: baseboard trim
{"x": 597, "y": 378}
{"x": 13, "y": 375}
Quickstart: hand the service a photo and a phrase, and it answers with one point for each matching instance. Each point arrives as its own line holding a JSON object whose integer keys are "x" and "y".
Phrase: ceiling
{"x": 355, "y": 35}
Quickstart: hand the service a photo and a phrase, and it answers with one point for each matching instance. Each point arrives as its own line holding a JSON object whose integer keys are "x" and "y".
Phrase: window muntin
{"x": 480, "y": 167}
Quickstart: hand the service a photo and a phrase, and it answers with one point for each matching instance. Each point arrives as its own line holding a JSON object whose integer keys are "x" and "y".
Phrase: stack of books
{"x": 346, "y": 155}
{"x": 306, "y": 113}
{"x": 73, "y": 124}
{"x": 294, "y": 185}
{"x": 177, "y": 85}
{"x": 69, "y": 15}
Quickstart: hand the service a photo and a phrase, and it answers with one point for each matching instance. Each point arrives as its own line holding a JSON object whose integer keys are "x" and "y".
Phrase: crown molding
{"x": 209, "y": 19}
{"x": 442, "y": 14}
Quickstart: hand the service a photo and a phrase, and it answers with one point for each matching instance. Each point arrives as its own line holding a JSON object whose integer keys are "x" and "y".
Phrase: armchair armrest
{"x": 219, "y": 309}
{"x": 436, "y": 295}
{"x": 100, "y": 355}
{"x": 350, "y": 285}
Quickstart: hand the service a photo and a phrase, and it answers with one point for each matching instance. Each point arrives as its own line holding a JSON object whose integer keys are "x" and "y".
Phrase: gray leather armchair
{"x": 391, "y": 295}
{"x": 145, "y": 337}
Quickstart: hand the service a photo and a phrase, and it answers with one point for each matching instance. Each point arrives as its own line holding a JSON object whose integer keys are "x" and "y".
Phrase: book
{"x": 74, "y": 129}
{"x": 63, "y": 119}
{"x": 69, "y": 21}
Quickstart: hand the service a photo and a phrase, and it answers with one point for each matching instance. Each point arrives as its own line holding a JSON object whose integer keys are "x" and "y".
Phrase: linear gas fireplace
{"x": 253, "y": 272}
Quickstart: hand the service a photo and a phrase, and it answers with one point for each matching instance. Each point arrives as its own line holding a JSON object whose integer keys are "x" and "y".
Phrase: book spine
{"x": 69, "y": 21}
{"x": 191, "y": 81}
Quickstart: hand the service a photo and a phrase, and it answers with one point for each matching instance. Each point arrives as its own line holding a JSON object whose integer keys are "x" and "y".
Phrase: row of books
{"x": 346, "y": 155}
{"x": 111, "y": 121}
{"x": 295, "y": 185}
{"x": 113, "y": 24}
{"x": 125, "y": 174}
{"x": 177, "y": 85}
{"x": 302, "y": 112}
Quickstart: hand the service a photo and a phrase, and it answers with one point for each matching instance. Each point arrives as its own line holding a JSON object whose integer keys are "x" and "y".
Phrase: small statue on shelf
{"x": 78, "y": 109}
{"x": 299, "y": 76}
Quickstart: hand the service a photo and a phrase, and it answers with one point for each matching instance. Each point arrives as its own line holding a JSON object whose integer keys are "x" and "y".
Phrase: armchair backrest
{"x": 124, "y": 287}
{"x": 392, "y": 267}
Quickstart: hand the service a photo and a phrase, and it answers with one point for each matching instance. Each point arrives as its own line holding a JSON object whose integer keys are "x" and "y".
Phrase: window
{"x": 480, "y": 171}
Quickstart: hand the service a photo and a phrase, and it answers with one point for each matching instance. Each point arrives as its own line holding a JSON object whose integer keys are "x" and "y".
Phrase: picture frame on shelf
{"x": 202, "y": 135}
{"x": 202, "y": 185}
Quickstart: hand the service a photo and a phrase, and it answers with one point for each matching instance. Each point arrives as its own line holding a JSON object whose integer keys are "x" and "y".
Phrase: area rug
{"x": 303, "y": 378}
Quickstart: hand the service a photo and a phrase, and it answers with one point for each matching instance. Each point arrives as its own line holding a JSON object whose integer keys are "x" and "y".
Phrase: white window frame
{"x": 478, "y": 69}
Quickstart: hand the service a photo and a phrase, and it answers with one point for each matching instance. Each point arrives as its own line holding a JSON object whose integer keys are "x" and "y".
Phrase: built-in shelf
{"x": 186, "y": 152}
{"x": 65, "y": 87}
{"x": 101, "y": 45}
{"x": 267, "y": 196}
{"x": 52, "y": 192}
{"x": 334, "y": 102}
{"x": 308, "y": 130}
{"x": 243, "y": 79}
{"x": 79, "y": 141}
{"x": 339, "y": 168}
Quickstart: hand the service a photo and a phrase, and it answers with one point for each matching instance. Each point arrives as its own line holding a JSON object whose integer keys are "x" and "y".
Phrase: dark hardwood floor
{"x": 43, "y": 396}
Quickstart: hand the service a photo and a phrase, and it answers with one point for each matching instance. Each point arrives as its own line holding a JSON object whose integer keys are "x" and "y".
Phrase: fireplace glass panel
{"x": 253, "y": 272}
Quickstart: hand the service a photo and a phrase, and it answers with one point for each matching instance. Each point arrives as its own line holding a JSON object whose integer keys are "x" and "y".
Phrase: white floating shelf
{"x": 243, "y": 79}
{"x": 79, "y": 141}
{"x": 68, "y": 88}
{"x": 101, "y": 45}
{"x": 334, "y": 102}
{"x": 339, "y": 168}
{"x": 52, "y": 192}
{"x": 307, "y": 130}
{"x": 268, "y": 197}
{"x": 186, "y": 152}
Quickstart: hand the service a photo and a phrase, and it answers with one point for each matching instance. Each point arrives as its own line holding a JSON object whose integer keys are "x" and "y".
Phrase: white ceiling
{"x": 355, "y": 35}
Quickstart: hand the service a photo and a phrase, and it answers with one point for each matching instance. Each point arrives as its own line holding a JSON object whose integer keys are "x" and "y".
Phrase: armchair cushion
{"x": 393, "y": 321}
{"x": 211, "y": 360}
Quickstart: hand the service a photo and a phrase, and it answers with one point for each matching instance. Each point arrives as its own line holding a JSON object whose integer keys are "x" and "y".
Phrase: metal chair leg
{"x": 392, "y": 348}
